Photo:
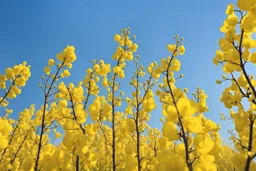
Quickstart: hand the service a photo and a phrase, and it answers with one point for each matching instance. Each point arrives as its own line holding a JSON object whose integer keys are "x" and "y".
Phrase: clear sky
{"x": 35, "y": 31}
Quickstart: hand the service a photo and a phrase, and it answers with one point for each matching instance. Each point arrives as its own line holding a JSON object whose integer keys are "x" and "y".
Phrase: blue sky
{"x": 35, "y": 31}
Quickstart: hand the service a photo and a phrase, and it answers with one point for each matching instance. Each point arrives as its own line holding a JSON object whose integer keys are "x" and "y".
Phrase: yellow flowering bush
{"x": 237, "y": 50}
{"x": 100, "y": 126}
{"x": 123, "y": 139}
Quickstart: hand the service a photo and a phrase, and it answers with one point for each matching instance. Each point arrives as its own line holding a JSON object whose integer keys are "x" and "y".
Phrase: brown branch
{"x": 43, "y": 117}
{"x": 185, "y": 139}
{"x": 19, "y": 148}
{"x": 73, "y": 109}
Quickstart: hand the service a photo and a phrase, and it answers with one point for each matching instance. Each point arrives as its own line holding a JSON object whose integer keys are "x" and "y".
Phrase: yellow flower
{"x": 134, "y": 47}
{"x": 20, "y": 81}
{"x": 203, "y": 143}
{"x": 47, "y": 70}
{"x": 9, "y": 73}
{"x": 51, "y": 62}
{"x": 253, "y": 57}
{"x": 218, "y": 82}
{"x": 66, "y": 73}
{"x": 117, "y": 37}
{"x": 230, "y": 9}
{"x": 170, "y": 131}
{"x": 181, "y": 49}
{"x": 171, "y": 48}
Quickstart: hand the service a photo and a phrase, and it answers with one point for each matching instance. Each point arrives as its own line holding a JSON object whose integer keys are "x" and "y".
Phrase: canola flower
{"x": 128, "y": 142}
{"x": 237, "y": 50}
{"x": 119, "y": 136}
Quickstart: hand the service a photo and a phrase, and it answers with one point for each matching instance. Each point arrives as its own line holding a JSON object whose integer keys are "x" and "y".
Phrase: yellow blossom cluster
{"x": 96, "y": 124}
{"x": 237, "y": 50}
{"x": 12, "y": 81}
{"x": 184, "y": 121}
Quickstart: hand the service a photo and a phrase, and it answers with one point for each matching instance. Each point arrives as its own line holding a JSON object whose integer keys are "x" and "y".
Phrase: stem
{"x": 73, "y": 109}
{"x": 15, "y": 129}
{"x": 137, "y": 116}
{"x": 249, "y": 158}
{"x": 113, "y": 125}
{"x": 15, "y": 155}
{"x": 77, "y": 163}
{"x": 113, "y": 115}
{"x": 113, "y": 119}
{"x": 89, "y": 93}
{"x": 242, "y": 65}
{"x": 184, "y": 137}
{"x": 155, "y": 149}
{"x": 8, "y": 91}
{"x": 43, "y": 119}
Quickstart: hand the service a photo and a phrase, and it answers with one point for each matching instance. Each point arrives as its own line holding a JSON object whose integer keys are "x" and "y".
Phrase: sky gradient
{"x": 35, "y": 31}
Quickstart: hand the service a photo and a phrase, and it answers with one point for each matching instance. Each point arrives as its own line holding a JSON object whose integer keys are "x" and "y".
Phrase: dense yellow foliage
{"x": 119, "y": 137}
